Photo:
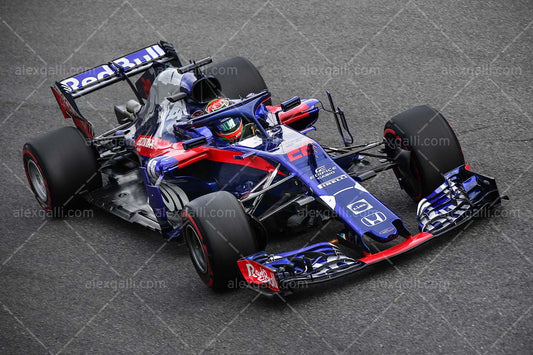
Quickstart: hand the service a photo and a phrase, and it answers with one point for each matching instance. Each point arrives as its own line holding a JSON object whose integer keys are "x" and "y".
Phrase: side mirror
{"x": 177, "y": 97}
{"x": 291, "y": 103}
{"x": 194, "y": 142}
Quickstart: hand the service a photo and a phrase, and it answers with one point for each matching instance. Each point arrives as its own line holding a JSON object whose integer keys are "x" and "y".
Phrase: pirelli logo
{"x": 332, "y": 181}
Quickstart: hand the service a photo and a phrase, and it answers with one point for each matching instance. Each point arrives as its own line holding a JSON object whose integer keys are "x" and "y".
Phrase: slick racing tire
{"x": 432, "y": 145}
{"x": 59, "y": 164}
{"x": 238, "y": 77}
{"x": 218, "y": 233}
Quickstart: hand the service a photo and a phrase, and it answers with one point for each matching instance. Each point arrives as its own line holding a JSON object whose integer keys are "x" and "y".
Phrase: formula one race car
{"x": 204, "y": 157}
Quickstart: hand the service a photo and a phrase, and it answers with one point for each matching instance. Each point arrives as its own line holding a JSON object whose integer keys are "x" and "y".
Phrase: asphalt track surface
{"x": 62, "y": 282}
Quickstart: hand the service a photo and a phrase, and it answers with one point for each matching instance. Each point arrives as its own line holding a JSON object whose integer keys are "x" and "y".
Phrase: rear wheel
{"x": 238, "y": 77}
{"x": 218, "y": 233}
{"x": 431, "y": 145}
{"x": 58, "y": 164}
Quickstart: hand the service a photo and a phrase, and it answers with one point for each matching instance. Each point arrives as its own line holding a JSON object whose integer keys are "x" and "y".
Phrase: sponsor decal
{"x": 374, "y": 219}
{"x": 298, "y": 153}
{"x": 258, "y": 274}
{"x": 145, "y": 142}
{"x": 387, "y": 231}
{"x": 360, "y": 206}
{"x": 322, "y": 172}
{"x": 152, "y": 146}
{"x": 332, "y": 181}
{"x": 127, "y": 62}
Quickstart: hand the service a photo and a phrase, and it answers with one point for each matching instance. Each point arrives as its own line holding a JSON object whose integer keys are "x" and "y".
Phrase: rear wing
{"x": 118, "y": 69}
{"x": 69, "y": 89}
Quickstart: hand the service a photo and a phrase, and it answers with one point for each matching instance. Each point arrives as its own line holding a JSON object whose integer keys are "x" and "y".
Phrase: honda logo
{"x": 374, "y": 219}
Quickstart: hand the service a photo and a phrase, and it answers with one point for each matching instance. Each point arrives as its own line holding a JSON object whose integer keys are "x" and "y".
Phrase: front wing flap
{"x": 462, "y": 196}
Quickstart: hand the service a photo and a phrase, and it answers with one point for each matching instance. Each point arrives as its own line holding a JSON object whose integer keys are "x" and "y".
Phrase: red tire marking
{"x": 209, "y": 269}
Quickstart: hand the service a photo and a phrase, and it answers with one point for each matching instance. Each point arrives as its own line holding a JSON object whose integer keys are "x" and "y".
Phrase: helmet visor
{"x": 227, "y": 124}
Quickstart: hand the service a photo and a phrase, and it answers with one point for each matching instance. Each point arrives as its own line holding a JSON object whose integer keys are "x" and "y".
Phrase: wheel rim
{"x": 197, "y": 250}
{"x": 37, "y": 181}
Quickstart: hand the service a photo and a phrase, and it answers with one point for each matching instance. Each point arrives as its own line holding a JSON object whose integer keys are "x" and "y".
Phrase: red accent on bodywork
{"x": 409, "y": 243}
{"x": 227, "y": 156}
{"x": 292, "y": 115}
{"x": 69, "y": 112}
{"x": 152, "y": 147}
{"x": 273, "y": 109}
{"x": 467, "y": 167}
{"x": 146, "y": 86}
{"x": 298, "y": 153}
{"x": 257, "y": 274}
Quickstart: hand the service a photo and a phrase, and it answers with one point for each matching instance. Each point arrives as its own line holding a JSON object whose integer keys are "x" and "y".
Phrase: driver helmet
{"x": 229, "y": 128}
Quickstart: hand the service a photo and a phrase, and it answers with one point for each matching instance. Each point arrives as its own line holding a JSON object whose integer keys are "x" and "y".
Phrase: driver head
{"x": 229, "y": 129}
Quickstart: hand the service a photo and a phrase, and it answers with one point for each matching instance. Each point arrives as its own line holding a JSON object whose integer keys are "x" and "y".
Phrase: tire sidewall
{"x": 224, "y": 240}
{"x": 66, "y": 162}
{"x": 207, "y": 277}
{"x": 28, "y": 153}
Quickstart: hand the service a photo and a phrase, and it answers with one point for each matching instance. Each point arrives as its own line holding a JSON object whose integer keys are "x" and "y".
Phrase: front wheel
{"x": 218, "y": 233}
{"x": 425, "y": 147}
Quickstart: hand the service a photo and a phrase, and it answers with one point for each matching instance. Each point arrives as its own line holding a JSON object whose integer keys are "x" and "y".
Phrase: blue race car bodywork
{"x": 164, "y": 155}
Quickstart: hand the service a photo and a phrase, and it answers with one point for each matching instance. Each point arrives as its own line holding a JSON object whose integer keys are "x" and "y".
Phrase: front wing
{"x": 462, "y": 196}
